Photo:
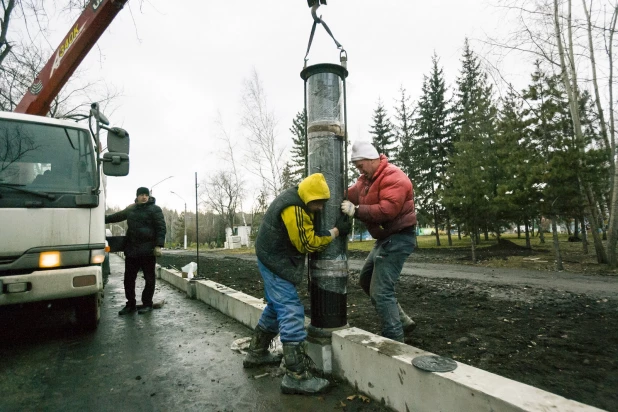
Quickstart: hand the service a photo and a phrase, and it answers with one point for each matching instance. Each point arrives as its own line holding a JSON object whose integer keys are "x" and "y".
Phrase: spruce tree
{"x": 404, "y": 134}
{"x": 553, "y": 141}
{"x": 517, "y": 193}
{"x": 381, "y": 130}
{"x": 473, "y": 166}
{"x": 431, "y": 147}
{"x": 296, "y": 165}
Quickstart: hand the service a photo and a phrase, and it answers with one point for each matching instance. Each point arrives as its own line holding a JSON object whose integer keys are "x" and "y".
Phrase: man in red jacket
{"x": 383, "y": 199}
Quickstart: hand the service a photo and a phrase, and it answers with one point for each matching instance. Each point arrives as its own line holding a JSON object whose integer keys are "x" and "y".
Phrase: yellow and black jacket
{"x": 287, "y": 232}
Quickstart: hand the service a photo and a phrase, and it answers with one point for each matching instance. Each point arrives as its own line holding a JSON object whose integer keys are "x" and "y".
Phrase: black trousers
{"x": 132, "y": 265}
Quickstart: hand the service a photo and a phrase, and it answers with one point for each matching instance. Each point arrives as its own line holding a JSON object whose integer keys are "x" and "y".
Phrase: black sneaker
{"x": 127, "y": 309}
{"x": 145, "y": 309}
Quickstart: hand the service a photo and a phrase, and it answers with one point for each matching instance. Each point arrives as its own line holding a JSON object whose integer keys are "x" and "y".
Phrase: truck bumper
{"x": 50, "y": 284}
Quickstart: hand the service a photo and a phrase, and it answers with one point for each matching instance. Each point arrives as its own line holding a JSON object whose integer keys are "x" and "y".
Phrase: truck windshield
{"x": 45, "y": 158}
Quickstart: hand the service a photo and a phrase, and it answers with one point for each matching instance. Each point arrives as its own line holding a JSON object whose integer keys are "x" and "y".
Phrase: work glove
{"x": 348, "y": 208}
{"x": 157, "y": 251}
{"x": 344, "y": 225}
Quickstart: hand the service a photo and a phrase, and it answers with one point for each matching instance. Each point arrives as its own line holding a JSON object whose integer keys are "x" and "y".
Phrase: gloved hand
{"x": 348, "y": 208}
{"x": 344, "y": 225}
{"x": 157, "y": 251}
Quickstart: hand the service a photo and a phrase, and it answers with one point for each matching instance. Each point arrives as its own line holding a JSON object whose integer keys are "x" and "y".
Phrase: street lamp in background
{"x": 160, "y": 181}
{"x": 185, "y": 219}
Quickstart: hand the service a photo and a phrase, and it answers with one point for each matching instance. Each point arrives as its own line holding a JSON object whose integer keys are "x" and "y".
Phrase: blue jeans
{"x": 284, "y": 313}
{"x": 379, "y": 277}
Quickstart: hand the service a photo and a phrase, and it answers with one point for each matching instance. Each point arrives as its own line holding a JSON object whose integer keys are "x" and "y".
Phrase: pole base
{"x": 320, "y": 347}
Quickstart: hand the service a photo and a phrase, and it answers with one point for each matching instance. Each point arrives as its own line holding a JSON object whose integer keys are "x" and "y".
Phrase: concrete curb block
{"x": 382, "y": 368}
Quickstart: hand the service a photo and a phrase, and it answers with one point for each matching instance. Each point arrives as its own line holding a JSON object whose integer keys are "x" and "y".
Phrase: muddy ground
{"x": 562, "y": 342}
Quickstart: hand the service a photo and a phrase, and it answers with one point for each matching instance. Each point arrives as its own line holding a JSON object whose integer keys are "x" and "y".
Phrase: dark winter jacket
{"x": 287, "y": 232}
{"x": 386, "y": 201}
{"x": 146, "y": 227}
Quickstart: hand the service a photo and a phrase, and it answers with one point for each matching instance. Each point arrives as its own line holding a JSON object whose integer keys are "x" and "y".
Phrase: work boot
{"x": 407, "y": 323}
{"x": 127, "y": 309}
{"x": 298, "y": 379}
{"x": 145, "y": 309}
{"x": 258, "y": 353}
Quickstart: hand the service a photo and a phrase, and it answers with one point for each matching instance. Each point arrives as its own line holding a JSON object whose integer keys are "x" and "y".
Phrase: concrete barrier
{"x": 382, "y": 369}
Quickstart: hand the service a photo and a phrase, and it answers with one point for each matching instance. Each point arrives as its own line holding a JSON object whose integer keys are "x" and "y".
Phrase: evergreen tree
{"x": 517, "y": 193}
{"x": 382, "y": 132}
{"x": 295, "y": 168}
{"x": 404, "y": 134}
{"x": 553, "y": 140}
{"x": 287, "y": 178}
{"x": 432, "y": 146}
{"x": 472, "y": 172}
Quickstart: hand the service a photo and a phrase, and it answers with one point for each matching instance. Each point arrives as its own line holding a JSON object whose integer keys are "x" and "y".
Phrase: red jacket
{"x": 386, "y": 202}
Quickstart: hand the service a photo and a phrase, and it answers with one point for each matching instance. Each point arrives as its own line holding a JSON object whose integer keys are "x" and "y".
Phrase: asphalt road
{"x": 177, "y": 358}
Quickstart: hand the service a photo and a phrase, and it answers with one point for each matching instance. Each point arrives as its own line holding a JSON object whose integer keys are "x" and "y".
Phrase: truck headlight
{"x": 97, "y": 256}
{"x": 49, "y": 259}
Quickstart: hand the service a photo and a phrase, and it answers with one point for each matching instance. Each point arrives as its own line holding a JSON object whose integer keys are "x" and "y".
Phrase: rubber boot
{"x": 258, "y": 353}
{"x": 407, "y": 323}
{"x": 298, "y": 379}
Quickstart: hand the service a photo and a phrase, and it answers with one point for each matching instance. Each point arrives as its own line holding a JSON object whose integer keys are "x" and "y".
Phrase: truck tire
{"x": 88, "y": 311}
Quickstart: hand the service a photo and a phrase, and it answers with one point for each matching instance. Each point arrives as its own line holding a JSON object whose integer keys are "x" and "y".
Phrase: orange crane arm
{"x": 95, "y": 18}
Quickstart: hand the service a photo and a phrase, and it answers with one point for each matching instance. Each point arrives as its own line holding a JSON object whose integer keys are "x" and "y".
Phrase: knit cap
{"x": 363, "y": 150}
{"x": 142, "y": 191}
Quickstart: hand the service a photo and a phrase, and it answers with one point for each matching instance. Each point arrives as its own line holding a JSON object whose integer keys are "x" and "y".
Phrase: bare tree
{"x": 265, "y": 158}
{"x": 229, "y": 154}
{"x": 569, "y": 79}
{"x": 21, "y": 60}
{"x": 566, "y": 42}
{"x": 221, "y": 194}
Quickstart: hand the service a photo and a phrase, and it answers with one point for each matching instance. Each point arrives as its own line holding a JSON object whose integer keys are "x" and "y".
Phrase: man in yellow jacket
{"x": 285, "y": 236}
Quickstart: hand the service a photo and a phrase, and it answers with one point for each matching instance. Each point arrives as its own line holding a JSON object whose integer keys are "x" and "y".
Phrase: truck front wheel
{"x": 88, "y": 311}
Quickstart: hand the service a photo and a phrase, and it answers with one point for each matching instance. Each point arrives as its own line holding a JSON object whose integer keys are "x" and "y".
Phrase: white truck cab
{"x": 52, "y": 209}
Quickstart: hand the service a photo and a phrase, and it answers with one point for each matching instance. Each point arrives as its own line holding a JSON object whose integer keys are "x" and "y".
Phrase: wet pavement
{"x": 176, "y": 358}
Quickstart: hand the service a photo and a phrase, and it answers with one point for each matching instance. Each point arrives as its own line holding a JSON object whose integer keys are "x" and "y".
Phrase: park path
{"x": 595, "y": 285}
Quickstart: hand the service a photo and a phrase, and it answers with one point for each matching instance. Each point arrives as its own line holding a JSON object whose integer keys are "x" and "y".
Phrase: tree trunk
{"x": 527, "y": 232}
{"x": 435, "y": 225}
{"x": 518, "y": 230}
{"x": 569, "y": 78}
{"x": 448, "y": 230}
{"x": 554, "y": 231}
{"x": 568, "y": 226}
{"x": 594, "y": 227}
{"x": 584, "y": 236}
{"x": 541, "y": 232}
{"x": 612, "y": 239}
{"x": 472, "y": 244}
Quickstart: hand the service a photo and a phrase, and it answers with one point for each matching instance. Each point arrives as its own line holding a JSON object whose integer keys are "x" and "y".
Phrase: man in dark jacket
{"x": 145, "y": 237}
{"x": 383, "y": 199}
{"x": 286, "y": 235}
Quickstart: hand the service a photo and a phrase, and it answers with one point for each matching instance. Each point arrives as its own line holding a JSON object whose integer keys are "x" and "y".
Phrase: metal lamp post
{"x": 185, "y": 219}
{"x": 326, "y": 151}
{"x": 160, "y": 181}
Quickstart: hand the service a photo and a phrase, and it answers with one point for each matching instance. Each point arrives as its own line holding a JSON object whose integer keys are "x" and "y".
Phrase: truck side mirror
{"x": 118, "y": 140}
{"x": 115, "y": 164}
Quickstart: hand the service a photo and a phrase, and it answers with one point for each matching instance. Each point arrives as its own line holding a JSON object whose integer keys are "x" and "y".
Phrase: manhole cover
{"x": 434, "y": 363}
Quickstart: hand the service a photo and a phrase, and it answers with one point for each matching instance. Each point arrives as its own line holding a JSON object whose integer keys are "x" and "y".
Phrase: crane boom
{"x": 93, "y": 21}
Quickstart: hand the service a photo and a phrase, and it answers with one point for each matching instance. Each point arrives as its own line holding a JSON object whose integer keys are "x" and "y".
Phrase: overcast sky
{"x": 179, "y": 64}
